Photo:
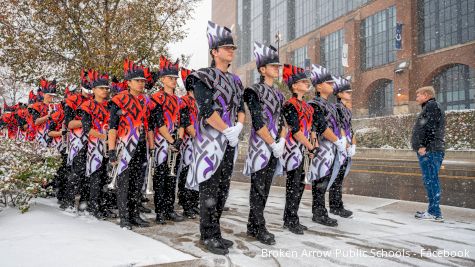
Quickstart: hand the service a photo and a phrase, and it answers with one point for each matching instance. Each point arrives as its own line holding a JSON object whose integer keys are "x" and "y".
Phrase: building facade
{"x": 360, "y": 39}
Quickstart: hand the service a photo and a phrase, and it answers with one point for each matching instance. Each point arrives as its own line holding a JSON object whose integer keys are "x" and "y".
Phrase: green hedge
{"x": 395, "y": 131}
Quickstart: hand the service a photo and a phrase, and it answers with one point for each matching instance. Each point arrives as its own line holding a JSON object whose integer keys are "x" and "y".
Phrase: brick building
{"x": 438, "y": 45}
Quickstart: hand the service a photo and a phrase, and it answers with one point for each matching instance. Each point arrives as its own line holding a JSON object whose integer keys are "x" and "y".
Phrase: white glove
{"x": 277, "y": 149}
{"x": 340, "y": 144}
{"x": 282, "y": 144}
{"x": 352, "y": 151}
{"x": 232, "y": 134}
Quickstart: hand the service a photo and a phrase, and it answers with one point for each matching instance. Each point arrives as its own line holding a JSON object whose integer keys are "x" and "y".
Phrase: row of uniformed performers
{"x": 114, "y": 143}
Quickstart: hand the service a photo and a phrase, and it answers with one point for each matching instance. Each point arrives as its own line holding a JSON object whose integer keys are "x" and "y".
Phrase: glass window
{"x": 256, "y": 22}
{"x": 327, "y": 11}
{"x": 377, "y": 38}
{"x": 445, "y": 23}
{"x": 305, "y": 16}
{"x": 331, "y": 51}
{"x": 299, "y": 57}
{"x": 381, "y": 99}
{"x": 455, "y": 87}
{"x": 278, "y": 19}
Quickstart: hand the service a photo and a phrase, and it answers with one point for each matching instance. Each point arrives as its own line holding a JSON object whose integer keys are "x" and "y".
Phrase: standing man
{"x": 164, "y": 116}
{"x": 298, "y": 116}
{"x": 128, "y": 139}
{"x": 342, "y": 90}
{"x": 428, "y": 142}
{"x": 220, "y": 121}
{"x": 267, "y": 140}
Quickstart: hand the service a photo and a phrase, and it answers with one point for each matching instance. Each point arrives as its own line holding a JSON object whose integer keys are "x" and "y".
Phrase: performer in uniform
{"x": 267, "y": 140}
{"x": 164, "y": 116}
{"x": 41, "y": 111}
{"x": 324, "y": 167}
{"x": 187, "y": 198}
{"x": 298, "y": 115}
{"x": 77, "y": 147}
{"x": 8, "y": 121}
{"x": 95, "y": 124}
{"x": 128, "y": 139}
{"x": 219, "y": 99}
{"x": 342, "y": 90}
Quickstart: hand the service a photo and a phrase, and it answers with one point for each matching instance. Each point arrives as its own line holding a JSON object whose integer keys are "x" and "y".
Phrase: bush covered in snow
{"x": 396, "y": 131}
{"x": 24, "y": 169}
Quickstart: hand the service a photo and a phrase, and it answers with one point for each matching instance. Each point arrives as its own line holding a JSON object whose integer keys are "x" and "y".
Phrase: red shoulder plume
{"x": 184, "y": 74}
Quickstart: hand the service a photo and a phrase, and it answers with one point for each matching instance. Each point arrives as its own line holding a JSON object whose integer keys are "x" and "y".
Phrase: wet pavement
{"x": 381, "y": 232}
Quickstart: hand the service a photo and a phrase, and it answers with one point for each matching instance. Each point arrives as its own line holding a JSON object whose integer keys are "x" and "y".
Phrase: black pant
{"x": 97, "y": 196}
{"x": 187, "y": 198}
{"x": 261, "y": 182}
{"x": 213, "y": 195}
{"x": 164, "y": 186}
{"x": 335, "y": 192}
{"x": 61, "y": 180}
{"x": 294, "y": 188}
{"x": 318, "y": 193}
{"x": 130, "y": 182}
{"x": 77, "y": 181}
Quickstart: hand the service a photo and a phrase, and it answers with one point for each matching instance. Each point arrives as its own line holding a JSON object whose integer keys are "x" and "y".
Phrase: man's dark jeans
{"x": 430, "y": 165}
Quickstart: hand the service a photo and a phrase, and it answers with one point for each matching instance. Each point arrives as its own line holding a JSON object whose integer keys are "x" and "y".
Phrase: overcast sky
{"x": 196, "y": 43}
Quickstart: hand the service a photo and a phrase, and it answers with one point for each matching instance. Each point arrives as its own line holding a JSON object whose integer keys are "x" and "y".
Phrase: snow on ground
{"x": 380, "y": 227}
{"x": 383, "y": 232}
{"x": 47, "y": 236}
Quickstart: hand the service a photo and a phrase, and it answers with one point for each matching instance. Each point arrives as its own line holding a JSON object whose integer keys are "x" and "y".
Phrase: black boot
{"x": 173, "y": 216}
{"x": 215, "y": 246}
{"x": 190, "y": 214}
{"x": 296, "y": 229}
{"x": 265, "y": 237}
{"x": 160, "y": 219}
{"x": 226, "y": 242}
{"x": 144, "y": 209}
{"x": 125, "y": 224}
{"x": 325, "y": 220}
{"x": 342, "y": 212}
{"x": 137, "y": 221}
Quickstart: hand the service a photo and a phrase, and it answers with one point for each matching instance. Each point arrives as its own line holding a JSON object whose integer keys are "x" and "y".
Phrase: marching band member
{"x": 128, "y": 138}
{"x": 342, "y": 90}
{"x": 8, "y": 121}
{"x": 95, "y": 124}
{"x": 298, "y": 116}
{"x": 221, "y": 116}
{"x": 77, "y": 147}
{"x": 267, "y": 139}
{"x": 324, "y": 167}
{"x": 187, "y": 198}
{"x": 164, "y": 116}
{"x": 41, "y": 111}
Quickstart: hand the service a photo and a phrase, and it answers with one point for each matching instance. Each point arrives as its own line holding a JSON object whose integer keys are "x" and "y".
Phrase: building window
{"x": 243, "y": 32}
{"x": 331, "y": 10}
{"x": 378, "y": 38}
{"x": 331, "y": 50}
{"x": 381, "y": 99}
{"x": 256, "y": 22}
{"x": 445, "y": 23}
{"x": 455, "y": 87}
{"x": 305, "y": 16}
{"x": 299, "y": 57}
{"x": 278, "y": 19}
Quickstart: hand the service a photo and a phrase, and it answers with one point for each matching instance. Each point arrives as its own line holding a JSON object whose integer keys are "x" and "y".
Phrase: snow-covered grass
{"x": 46, "y": 236}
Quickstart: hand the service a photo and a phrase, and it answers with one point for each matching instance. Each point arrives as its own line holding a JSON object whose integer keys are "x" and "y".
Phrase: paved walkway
{"x": 382, "y": 232}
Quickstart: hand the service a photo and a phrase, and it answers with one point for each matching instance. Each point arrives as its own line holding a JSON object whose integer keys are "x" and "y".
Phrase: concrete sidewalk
{"x": 381, "y": 232}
